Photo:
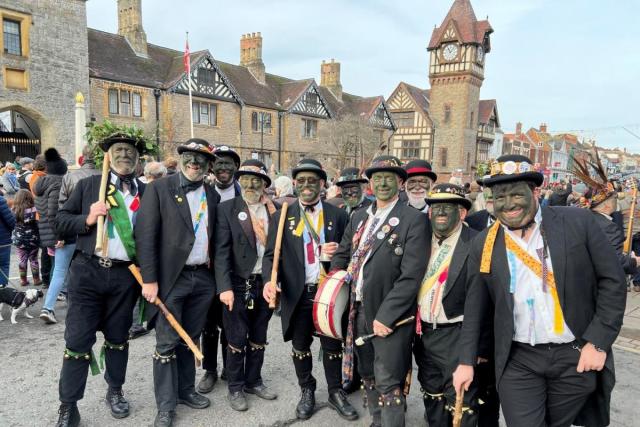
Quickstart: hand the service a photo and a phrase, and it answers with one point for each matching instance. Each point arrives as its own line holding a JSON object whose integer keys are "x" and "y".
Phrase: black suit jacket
{"x": 478, "y": 220}
{"x": 72, "y": 216}
{"x": 164, "y": 232}
{"x": 616, "y": 238}
{"x": 392, "y": 277}
{"x": 455, "y": 289}
{"x": 591, "y": 288}
{"x": 291, "y": 269}
{"x": 236, "y": 251}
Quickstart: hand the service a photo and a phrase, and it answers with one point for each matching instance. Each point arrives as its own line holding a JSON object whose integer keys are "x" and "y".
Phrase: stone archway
{"x": 47, "y": 129}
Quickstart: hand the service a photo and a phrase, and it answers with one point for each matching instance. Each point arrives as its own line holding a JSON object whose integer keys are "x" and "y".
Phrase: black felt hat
{"x": 139, "y": 144}
{"x": 197, "y": 145}
{"x": 448, "y": 193}
{"x": 420, "y": 167}
{"x": 350, "y": 176}
{"x": 254, "y": 167}
{"x": 513, "y": 168}
{"x": 224, "y": 150}
{"x": 386, "y": 164}
{"x": 309, "y": 165}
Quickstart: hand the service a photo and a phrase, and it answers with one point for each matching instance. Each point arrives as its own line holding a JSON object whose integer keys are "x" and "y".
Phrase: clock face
{"x": 450, "y": 51}
{"x": 479, "y": 54}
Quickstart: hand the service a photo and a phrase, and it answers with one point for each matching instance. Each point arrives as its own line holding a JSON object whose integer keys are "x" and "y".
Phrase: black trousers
{"x": 46, "y": 265}
{"x": 489, "y": 408}
{"x": 541, "y": 387}
{"x": 212, "y": 334}
{"x": 302, "y": 336}
{"x": 174, "y": 370}
{"x": 246, "y": 330}
{"x": 100, "y": 299}
{"x": 437, "y": 358}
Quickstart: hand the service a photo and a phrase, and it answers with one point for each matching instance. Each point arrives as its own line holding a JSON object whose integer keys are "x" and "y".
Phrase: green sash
{"x": 119, "y": 218}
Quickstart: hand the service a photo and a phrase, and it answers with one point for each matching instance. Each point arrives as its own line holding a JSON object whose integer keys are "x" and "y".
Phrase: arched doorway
{"x": 22, "y": 132}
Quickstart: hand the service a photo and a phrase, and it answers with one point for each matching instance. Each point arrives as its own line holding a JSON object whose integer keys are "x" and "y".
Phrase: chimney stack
{"x": 518, "y": 128}
{"x": 130, "y": 25}
{"x": 330, "y": 77}
{"x": 251, "y": 55}
{"x": 543, "y": 127}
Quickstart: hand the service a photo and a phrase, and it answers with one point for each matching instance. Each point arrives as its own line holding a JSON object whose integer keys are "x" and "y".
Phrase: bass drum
{"x": 330, "y": 304}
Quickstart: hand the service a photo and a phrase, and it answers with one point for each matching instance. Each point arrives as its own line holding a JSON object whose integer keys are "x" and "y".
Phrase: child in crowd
{"x": 26, "y": 238}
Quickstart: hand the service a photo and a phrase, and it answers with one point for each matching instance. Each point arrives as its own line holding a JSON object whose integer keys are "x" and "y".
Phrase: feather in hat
{"x": 600, "y": 189}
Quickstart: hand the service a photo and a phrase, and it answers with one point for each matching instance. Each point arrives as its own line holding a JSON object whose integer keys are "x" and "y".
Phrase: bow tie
{"x": 311, "y": 208}
{"x": 129, "y": 181}
{"x": 189, "y": 186}
{"x": 524, "y": 228}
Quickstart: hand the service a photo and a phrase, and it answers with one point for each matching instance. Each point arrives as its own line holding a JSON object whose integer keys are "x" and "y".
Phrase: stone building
{"x": 243, "y": 106}
{"x": 43, "y": 64}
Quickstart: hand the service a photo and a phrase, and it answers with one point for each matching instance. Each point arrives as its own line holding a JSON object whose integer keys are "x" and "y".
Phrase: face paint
{"x": 445, "y": 218}
{"x": 418, "y": 186}
{"x": 308, "y": 186}
{"x": 514, "y": 203}
{"x": 385, "y": 185}
{"x": 194, "y": 166}
{"x": 252, "y": 188}
{"x": 352, "y": 194}
{"x": 488, "y": 200}
{"x": 223, "y": 168}
{"x": 124, "y": 158}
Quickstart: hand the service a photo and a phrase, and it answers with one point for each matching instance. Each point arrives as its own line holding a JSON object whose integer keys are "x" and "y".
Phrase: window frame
{"x": 410, "y": 146}
{"x": 309, "y": 132}
{"x": 134, "y": 96}
{"x": 211, "y": 113}
{"x": 110, "y": 92}
{"x": 18, "y": 23}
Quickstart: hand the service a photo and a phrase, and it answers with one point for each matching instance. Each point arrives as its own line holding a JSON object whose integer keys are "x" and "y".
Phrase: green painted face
{"x": 252, "y": 188}
{"x": 194, "y": 166}
{"x": 352, "y": 194}
{"x": 124, "y": 158}
{"x": 445, "y": 218}
{"x": 308, "y": 186}
{"x": 385, "y": 185}
{"x": 223, "y": 168}
{"x": 514, "y": 203}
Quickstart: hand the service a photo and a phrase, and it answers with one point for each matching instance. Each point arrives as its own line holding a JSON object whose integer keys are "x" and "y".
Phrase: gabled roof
{"x": 420, "y": 96}
{"x": 470, "y": 30}
{"x": 486, "y": 109}
{"x": 290, "y": 92}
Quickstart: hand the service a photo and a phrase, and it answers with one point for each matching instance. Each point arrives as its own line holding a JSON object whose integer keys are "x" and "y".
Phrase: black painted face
{"x": 308, "y": 186}
{"x": 514, "y": 203}
{"x": 445, "y": 218}
{"x": 385, "y": 185}
{"x": 124, "y": 158}
{"x": 252, "y": 188}
{"x": 352, "y": 194}
{"x": 223, "y": 168}
{"x": 194, "y": 165}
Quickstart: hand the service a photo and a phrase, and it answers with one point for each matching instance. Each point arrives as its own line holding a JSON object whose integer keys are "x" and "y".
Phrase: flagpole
{"x": 188, "y": 64}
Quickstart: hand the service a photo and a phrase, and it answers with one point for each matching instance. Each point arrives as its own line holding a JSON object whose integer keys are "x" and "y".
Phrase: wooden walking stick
{"x": 632, "y": 213}
{"x": 172, "y": 320}
{"x": 276, "y": 254}
{"x": 106, "y": 164}
{"x": 457, "y": 413}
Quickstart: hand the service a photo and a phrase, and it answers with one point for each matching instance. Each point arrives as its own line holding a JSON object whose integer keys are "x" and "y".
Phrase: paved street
{"x": 31, "y": 355}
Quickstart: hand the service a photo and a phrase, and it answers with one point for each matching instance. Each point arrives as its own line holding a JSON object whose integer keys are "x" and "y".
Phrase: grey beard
{"x": 417, "y": 202}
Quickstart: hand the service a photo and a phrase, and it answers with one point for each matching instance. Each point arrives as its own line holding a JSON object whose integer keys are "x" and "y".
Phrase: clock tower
{"x": 457, "y": 52}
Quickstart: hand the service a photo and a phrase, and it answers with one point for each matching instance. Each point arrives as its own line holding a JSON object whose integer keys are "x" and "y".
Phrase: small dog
{"x": 18, "y": 301}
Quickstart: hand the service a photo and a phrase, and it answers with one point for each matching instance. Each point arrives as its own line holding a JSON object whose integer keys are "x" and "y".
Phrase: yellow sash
{"x": 430, "y": 281}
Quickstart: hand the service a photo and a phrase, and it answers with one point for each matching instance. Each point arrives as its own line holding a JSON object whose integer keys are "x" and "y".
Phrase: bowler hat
{"x": 513, "y": 168}
{"x": 309, "y": 165}
{"x": 420, "y": 167}
{"x": 254, "y": 167}
{"x": 197, "y": 145}
{"x": 386, "y": 164}
{"x": 448, "y": 193}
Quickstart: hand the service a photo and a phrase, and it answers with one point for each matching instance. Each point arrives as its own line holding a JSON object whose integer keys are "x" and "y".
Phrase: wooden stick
{"x": 363, "y": 339}
{"x": 172, "y": 320}
{"x": 457, "y": 413}
{"x": 106, "y": 164}
{"x": 276, "y": 254}
{"x": 632, "y": 212}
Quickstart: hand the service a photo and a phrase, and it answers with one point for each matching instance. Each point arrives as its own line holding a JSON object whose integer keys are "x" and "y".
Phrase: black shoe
{"x": 69, "y": 415}
{"x": 261, "y": 391}
{"x": 164, "y": 419}
{"x": 118, "y": 404}
{"x": 194, "y": 400}
{"x": 238, "y": 401}
{"x": 137, "y": 331}
{"x": 307, "y": 403}
{"x": 207, "y": 382}
{"x": 339, "y": 402}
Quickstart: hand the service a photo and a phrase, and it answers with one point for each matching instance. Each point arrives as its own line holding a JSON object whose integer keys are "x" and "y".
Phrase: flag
{"x": 187, "y": 58}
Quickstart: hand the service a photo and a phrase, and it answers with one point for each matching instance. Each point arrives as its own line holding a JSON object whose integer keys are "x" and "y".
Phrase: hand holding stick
{"x": 172, "y": 320}
{"x": 360, "y": 341}
{"x": 276, "y": 255}
{"x": 106, "y": 165}
{"x": 457, "y": 413}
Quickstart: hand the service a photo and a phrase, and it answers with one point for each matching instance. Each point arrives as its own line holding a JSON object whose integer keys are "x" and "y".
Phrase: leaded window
{"x": 11, "y": 30}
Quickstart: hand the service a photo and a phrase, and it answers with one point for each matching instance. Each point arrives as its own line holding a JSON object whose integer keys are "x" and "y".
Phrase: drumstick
{"x": 276, "y": 255}
{"x": 457, "y": 413}
{"x": 172, "y": 320}
{"x": 101, "y": 196}
{"x": 363, "y": 339}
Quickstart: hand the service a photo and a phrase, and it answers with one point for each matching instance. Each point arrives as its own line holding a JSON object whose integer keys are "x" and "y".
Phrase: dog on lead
{"x": 18, "y": 301}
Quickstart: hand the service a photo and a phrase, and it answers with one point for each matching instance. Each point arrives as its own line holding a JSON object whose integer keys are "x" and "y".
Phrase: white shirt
{"x": 226, "y": 193}
{"x": 381, "y": 214}
{"x": 312, "y": 270}
{"x": 533, "y": 309}
{"x": 115, "y": 248}
{"x": 437, "y": 291}
{"x": 260, "y": 212}
{"x": 200, "y": 251}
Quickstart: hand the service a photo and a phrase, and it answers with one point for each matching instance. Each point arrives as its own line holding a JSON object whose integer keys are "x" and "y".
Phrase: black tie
{"x": 189, "y": 186}
{"x": 311, "y": 208}
{"x": 129, "y": 180}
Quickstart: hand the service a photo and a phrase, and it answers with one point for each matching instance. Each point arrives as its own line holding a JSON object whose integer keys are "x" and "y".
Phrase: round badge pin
{"x": 386, "y": 228}
{"x": 380, "y": 235}
{"x": 398, "y": 251}
{"x": 509, "y": 167}
{"x": 242, "y": 216}
{"x": 394, "y": 221}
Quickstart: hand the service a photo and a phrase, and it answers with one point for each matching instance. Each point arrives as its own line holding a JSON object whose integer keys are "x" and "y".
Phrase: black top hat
{"x": 197, "y": 145}
{"x": 139, "y": 144}
{"x": 420, "y": 167}
{"x": 386, "y": 163}
{"x": 350, "y": 176}
{"x": 224, "y": 150}
{"x": 309, "y": 165}
{"x": 254, "y": 167}
{"x": 512, "y": 168}
{"x": 448, "y": 193}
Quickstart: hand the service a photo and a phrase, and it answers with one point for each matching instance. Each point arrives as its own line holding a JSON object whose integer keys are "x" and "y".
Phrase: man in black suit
{"x": 385, "y": 250}
{"x": 312, "y": 232}
{"x": 351, "y": 185}
{"x": 559, "y": 297}
{"x": 174, "y": 235}
{"x": 102, "y": 291}
{"x": 420, "y": 179}
{"x": 241, "y": 237}
{"x": 441, "y": 306}
{"x": 483, "y": 218}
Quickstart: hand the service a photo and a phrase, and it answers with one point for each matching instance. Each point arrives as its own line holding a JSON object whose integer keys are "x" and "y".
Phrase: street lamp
{"x": 262, "y": 116}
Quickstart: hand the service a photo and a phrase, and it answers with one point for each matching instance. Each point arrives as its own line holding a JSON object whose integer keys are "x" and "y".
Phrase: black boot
{"x": 338, "y": 401}
{"x": 117, "y": 403}
{"x": 393, "y": 404}
{"x": 207, "y": 382}
{"x": 164, "y": 419}
{"x": 69, "y": 415}
{"x": 435, "y": 408}
{"x": 306, "y": 405}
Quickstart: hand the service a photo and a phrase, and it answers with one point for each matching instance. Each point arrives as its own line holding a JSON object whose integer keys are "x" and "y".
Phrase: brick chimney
{"x": 543, "y": 127}
{"x": 330, "y": 77}
{"x": 518, "y": 128}
{"x": 251, "y": 55}
{"x": 130, "y": 25}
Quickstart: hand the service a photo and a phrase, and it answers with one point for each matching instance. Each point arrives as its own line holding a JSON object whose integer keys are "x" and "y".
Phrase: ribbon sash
{"x": 202, "y": 207}
{"x": 119, "y": 216}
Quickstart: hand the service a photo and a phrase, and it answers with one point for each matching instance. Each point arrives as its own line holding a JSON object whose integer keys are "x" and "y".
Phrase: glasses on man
{"x": 307, "y": 180}
{"x": 351, "y": 191}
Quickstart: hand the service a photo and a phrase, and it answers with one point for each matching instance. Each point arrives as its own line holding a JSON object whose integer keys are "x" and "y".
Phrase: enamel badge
{"x": 380, "y": 235}
{"x": 398, "y": 250}
{"x": 394, "y": 221}
{"x": 386, "y": 228}
{"x": 242, "y": 216}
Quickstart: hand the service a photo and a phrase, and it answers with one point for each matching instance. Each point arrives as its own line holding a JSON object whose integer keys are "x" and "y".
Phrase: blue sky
{"x": 574, "y": 64}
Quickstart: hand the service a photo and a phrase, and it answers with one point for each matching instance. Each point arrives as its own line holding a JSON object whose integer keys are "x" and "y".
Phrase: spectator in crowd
{"x": 171, "y": 163}
{"x": 154, "y": 170}
{"x": 7, "y": 223}
{"x": 10, "y": 181}
{"x": 26, "y": 238}
{"x": 560, "y": 194}
{"x": 26, "y": 170}
{"x": 284, "y": 190}
{"x": 39, "y": 167}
